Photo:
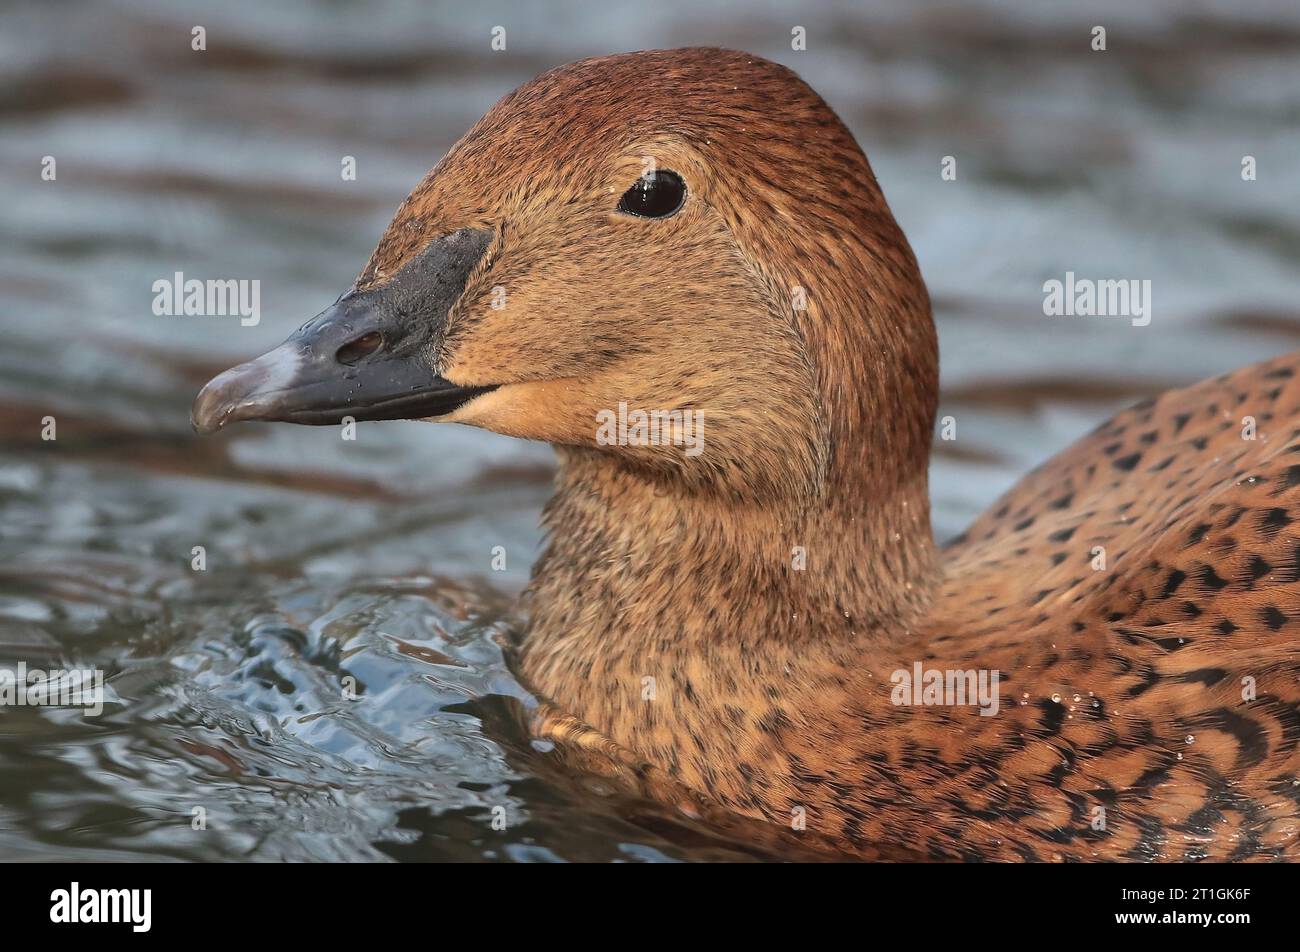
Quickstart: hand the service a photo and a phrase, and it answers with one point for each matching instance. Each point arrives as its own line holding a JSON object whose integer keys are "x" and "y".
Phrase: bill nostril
{"x": 363, "y": 346}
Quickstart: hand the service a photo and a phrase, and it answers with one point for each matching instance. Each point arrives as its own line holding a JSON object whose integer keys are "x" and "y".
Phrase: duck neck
{"x": 687, "y": 625}
{"x": 644, "y": 592}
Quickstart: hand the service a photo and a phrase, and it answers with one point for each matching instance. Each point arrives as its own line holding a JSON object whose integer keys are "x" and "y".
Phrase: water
{"x": 333, "y": 685}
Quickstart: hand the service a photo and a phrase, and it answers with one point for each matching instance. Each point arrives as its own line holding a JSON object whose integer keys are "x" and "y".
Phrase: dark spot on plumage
{"x": 1225, "y": 627}
{"x": 1206, "y": 676}
{"x": 1172, "y": 581}
{"x": 1257, "y": 568}
{"x": 1053, "y": 715}
{"x": 1225, "y": 544}
{"x": 1202, "y": 823}
{"x": 1251, "y": 737}
{"x": 1062, "y": 535}
{"x": 1273, "y": 617}
{"x": 1151, "y": 840}
{"x": 1274, "y": 520}
{"x": 1150, "y": 678}
{"x": 1209, "y": 579}
{"x": 1180, "y": 421}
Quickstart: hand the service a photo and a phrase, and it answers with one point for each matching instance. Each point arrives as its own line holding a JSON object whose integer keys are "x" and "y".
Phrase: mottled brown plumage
{"x": 770, "y": 586}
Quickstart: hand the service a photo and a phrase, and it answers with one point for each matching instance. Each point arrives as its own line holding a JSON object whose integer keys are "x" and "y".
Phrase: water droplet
{"x": 1056, "y": 699}
{"x": 1191, "y": 739}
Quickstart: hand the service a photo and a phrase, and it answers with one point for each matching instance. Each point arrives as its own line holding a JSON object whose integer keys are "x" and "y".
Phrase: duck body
{"x": 1137, "y": 597}
{"x": 749, "y": 619}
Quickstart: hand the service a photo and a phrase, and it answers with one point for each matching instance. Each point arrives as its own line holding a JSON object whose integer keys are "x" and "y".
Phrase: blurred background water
{"x": 369, "y": 563}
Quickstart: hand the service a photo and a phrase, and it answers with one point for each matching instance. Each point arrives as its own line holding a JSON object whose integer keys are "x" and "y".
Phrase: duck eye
{"x": 654, "y": 196}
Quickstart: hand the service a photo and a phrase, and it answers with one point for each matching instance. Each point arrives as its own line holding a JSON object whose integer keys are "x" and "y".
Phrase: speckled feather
{"x": 1121, "y": 688}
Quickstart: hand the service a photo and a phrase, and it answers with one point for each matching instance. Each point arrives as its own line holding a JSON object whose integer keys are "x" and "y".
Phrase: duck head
{"x": 684, "y": 230}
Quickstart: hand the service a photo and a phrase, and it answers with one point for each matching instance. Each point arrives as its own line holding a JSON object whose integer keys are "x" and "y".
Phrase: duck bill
{"x": 371, "y": 356}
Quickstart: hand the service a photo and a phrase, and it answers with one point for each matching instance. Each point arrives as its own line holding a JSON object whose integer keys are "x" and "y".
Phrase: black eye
{"x": 654, "y": 196}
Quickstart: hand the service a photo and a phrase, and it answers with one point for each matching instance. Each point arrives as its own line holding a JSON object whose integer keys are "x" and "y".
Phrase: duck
{"x": 756, "y": 611}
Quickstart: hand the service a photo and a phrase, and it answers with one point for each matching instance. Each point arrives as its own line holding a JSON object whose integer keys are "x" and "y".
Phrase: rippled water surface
{"x": 332, "y": 685}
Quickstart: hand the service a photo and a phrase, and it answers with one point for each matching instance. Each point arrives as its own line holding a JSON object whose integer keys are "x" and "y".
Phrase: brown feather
{"x": 1122, "y": 688}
